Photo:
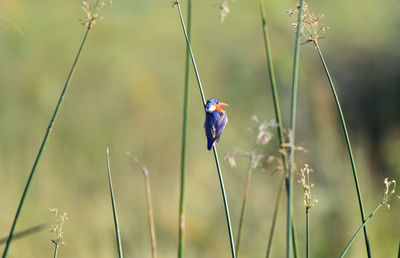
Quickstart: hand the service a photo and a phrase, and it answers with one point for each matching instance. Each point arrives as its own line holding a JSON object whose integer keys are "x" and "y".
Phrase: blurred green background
{"x": 127, "y": 93}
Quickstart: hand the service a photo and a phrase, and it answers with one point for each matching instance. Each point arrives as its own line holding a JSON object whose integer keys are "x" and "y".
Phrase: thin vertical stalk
{"x": 292, "y": 131}
{"x": 245, "y": 195}
{"x": 307, "y": 232}
{"x": 228, "y": 220}
{"x": 149, "y": 206}
{"x": 117, "y": 234}
{"x": 184, "y": 137}
{"x": 55, "y": 250}
{"x": 294, "y": 238}
{"x": 44, "y": 141}
{"x": 278, "y": 117}
{"x": 348, "y": 144}
{"x": 359, "y": 229}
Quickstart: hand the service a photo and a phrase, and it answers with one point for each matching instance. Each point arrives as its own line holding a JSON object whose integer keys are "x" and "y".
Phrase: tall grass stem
{"x": 55, "y": 250}
{"x": 293, "y": 131}
{"x": 348, "y": 144}
{"x": 44, "y": 141}
{"x": 184, "y": 137}
{"x": 278, "y": 117}
{"x": 307, "y": 232}
{"x": 359, "y": 229}
{"x": 117, "y": 234}
{"x": 275, "y": 216}
{"x": 228, "y": 220}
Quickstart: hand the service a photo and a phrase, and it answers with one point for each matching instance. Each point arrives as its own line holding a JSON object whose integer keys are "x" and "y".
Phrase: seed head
{"x": 309, "y": 200}
{"x": 390, "y": 189}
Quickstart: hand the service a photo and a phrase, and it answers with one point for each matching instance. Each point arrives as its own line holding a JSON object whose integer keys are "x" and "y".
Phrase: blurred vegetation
{"x": 127, "y": 93}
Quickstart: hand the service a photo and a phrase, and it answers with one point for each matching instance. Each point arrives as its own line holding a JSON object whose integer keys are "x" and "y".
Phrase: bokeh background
{"x": 127, "y": 93}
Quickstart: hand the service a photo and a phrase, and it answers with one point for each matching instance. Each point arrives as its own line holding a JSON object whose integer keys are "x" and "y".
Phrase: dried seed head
{"x": 224, "y": 10}
{"x": 312, "y": 25}
{"x": 58, "y": 227}
{"x": 390, "y": 189}
{"x": 304, "y": 180}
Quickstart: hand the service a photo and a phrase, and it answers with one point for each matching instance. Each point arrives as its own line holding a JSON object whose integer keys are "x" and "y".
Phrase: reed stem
{"x": 44, "y": 141}
{"x": 292, "y": 132}
{"x": 348, "y": 144}
{"x": 245, "y": 195}
{"x": 55, "y": 250}
{"x": 359, "y": 229}
{"x": 228, "y": 220}
{"x": 278, "y": 118}
{"x": 117, "y": 234}
{"x": 184, "y": 137}
{"x": 307, "y": 232}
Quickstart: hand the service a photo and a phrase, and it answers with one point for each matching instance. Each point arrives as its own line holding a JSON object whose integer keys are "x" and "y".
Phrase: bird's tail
{"x": 210, "y": 143}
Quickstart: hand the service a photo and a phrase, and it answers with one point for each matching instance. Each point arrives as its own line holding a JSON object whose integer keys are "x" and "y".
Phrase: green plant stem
{"x": 278, "y": 117}
{"x": 184, "y": 137}
{"x": 359, "y": 229}
{"x": 353, "y": 164}
{"x": 228, "y": 220}
{"x": 47, "y": 134}
{"x": 149, "y": 206}
{"x": 55, "y": 250}
{"x": 117, "y": 234}
{"x": 292, "y": 132}
{"x": 294, "y": 237}
{"x": 245, "y": 195}
{"x": 307, "y": 232}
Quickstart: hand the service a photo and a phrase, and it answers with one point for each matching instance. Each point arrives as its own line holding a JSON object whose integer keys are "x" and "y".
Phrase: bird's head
{"x": 215, "y": 105}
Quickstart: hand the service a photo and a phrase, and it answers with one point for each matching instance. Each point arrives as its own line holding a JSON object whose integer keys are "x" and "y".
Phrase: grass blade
{"x": 214, "y": 148}
{"x": 348, "y": 144}
{"x": 117, "y": 234}
{"x": 292, "y": 132}
{"x": 184, "y": 137}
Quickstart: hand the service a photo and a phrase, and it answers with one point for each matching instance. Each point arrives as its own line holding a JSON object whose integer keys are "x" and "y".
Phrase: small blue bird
{"x": 216, "y": 120}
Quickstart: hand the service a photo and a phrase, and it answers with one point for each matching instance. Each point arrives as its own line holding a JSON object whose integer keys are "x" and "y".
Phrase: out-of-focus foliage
{"x": 127, "y": 93}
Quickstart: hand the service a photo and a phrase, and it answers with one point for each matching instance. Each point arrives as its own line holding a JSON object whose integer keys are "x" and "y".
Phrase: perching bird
{"x": 215, "y": 121}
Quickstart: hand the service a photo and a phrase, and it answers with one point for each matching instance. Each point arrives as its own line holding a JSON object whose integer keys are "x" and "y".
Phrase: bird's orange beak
{"x": 219, "y": 105}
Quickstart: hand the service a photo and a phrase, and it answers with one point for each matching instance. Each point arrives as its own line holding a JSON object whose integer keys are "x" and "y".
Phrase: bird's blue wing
{"x": 210, "y": 129}
{"x": 220, "y": 125}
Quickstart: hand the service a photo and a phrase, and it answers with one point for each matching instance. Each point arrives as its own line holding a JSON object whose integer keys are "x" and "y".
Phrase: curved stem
{"x": 346, "y": 135}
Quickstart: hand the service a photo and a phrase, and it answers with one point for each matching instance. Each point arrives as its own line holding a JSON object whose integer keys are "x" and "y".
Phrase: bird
{"x": 215, "y": 122}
